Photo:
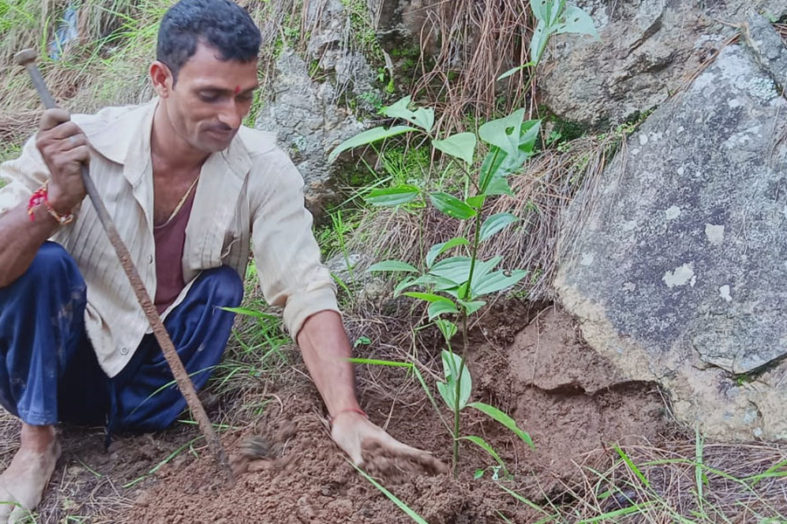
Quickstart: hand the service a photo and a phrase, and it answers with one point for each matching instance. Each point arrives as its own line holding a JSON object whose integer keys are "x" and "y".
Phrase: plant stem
{"x": 462, "y": 359}
{"x": 463, "y": 356}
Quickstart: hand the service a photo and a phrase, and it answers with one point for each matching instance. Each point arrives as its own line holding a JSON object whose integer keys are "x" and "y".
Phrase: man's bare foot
{"x": 23, "y": 483}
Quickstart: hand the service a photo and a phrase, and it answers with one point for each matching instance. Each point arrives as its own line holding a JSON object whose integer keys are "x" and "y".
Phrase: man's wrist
{"x": 357, "y": 410}
{"x": 40, "y": 200}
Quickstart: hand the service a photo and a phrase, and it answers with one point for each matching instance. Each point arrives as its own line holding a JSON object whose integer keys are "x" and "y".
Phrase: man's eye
{"x": 246, "y": 98}
{"x": 208, "y": 97}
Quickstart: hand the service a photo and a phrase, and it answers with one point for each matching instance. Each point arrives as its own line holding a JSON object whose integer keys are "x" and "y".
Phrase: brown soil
{"x": 556, "y": 388}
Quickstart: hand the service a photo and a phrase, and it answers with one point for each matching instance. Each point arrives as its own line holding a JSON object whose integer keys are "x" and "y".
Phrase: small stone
{"x": 715, "y": 234}
{"x": 672, "y": 212}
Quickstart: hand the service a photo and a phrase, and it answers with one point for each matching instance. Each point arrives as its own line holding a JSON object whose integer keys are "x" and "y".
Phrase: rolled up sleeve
{"x": 22, "y": 176}
{"x": 285, "y": 251}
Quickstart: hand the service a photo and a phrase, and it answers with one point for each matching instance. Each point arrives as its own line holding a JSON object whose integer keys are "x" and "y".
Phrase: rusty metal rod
{"x": 27, "y": 58}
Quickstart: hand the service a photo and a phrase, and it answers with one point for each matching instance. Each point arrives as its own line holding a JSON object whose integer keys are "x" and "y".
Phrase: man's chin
{"x": 213, "y": 144}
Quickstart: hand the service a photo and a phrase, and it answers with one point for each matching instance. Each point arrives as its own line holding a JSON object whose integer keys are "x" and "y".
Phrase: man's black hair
{"x": 220, "y": 24}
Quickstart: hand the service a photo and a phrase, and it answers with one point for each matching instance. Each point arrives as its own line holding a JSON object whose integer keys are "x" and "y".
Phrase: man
{"x": 190, "y": 190}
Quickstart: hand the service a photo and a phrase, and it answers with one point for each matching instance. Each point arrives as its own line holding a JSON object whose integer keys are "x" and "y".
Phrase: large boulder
{"x": 306, "y": 105}
{"x": 647, "y": 50}
{"x": 678, "y": 273}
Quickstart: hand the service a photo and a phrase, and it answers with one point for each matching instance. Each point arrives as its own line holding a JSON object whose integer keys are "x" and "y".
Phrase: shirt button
{"x": 124, "y": 350}
{"x": 150, "y": 259}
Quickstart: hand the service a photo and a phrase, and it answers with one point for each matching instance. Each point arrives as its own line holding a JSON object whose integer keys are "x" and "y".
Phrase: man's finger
{"x": 79, "y": 154}
{"x": 387, "y": 443}
{"x": 65, "y": 130}
{"x": 53, "y": 117}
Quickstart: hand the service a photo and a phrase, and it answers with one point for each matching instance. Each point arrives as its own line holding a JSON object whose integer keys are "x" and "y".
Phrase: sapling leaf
{"x": 538, "y": 41}
{"x": 481, "y": 443}
{"x": 451, "y": 364}
{"x": 503, "y": 132}
{"x": 495, "y": 223}
{"x": 476, "y": 202}
{"x": 557, "y": 9}
{"x": 575, "y": 20}
{"x": 478, "y": 474}
{"x": 451, "y": 206}
{"x": 392, "y": 265}
{"x": 368, "y": 137}
{"x": 447, "y": 328}
{"x": 498, "y": 164}
{"x": 399, "y": 109}
{"x": 422, "y": 117}
{"x": 428, "y": 297}
{"x": 436, "y": 309}
{"x": 453, "y": 269}
{"x": 438, "y": 249}
{"x": 472, "y": 306}
{"x": 514, "y": 70}
{"x": 529, "y": 135}
{"x": 423, "y": 280}
{"x": 461, "y": 145}
{"x": 539, "y": 8}
{"x": 497, "y": 280}
{"x": 447, "y": 391}
{"x": 491, "y": 169}
{"x": 504, "y": 419}
{"x": 483, "y": 267}
{"x": 393, "y": 196}
{"x": 406, "y": 282}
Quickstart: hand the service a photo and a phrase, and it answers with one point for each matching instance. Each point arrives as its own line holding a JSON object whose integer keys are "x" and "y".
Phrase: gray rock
{"x": 307, "y": 123}
{"x": 769, "y": 47}
{"x": 307, "y": 115}
{"x": 647, "y": 50}
{"x": 678, "y": 274}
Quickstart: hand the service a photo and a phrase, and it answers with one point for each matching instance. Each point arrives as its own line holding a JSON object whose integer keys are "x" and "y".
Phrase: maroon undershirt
{"x": 170, "y": 238}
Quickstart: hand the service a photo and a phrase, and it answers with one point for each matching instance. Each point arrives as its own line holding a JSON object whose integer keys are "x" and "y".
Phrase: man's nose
{"x": 232, "y": 115}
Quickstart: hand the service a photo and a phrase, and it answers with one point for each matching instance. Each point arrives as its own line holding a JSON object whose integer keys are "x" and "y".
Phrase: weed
{"x": 393, "y": 498}
{"x": 363, "y": 32}
{"x": 187, "y": 446}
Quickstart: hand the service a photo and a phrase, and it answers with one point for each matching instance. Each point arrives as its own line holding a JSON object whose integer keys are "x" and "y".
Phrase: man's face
{"x": 210, "y": 99}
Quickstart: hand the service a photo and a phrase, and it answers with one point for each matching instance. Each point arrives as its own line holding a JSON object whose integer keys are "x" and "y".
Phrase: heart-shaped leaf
{"x": 461, "y": 145}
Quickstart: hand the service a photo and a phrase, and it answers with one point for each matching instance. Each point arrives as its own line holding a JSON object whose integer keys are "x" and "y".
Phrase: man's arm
{"x": 326, "y": 352}
{"x": 20, "y": 239}
{"x": 64, "y": 149}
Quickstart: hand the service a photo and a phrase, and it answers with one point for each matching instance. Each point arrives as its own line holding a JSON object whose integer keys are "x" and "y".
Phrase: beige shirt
{"x": 250, "y": 193}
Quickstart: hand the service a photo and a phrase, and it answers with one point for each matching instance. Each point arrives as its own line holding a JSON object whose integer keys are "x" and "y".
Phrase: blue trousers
{"x": 48, "y": 369}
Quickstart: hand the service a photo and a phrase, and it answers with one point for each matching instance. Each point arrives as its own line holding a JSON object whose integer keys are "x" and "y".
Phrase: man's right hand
{"x": 64, "y": 148}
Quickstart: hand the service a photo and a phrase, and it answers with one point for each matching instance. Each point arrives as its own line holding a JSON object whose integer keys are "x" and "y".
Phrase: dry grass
{"x": 105, "y": 65}
{"x": 679, "y": 481}
{"x": 473, "y": 42}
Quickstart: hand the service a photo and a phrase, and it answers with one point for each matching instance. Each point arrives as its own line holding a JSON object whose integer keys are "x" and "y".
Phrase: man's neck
{"x": 171, "y": 150}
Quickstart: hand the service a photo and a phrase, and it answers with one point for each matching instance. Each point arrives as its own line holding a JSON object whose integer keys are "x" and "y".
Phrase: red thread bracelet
{"x": 40, "y": 196}
{"x": 354, "y": 410}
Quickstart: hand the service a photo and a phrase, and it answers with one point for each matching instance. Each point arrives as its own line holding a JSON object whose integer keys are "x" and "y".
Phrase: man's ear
{"x": 161, "y": 78}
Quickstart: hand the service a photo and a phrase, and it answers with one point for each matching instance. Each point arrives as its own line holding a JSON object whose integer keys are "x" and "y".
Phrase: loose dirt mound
{"x": 554, "y": 386}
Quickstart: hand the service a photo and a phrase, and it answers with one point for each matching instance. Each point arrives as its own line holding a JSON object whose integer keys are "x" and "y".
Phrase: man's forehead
{"x": 206, "y": 66}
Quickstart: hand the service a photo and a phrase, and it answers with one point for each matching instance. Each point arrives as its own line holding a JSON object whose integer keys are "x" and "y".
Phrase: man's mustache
{"x": 221, "y": 128}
